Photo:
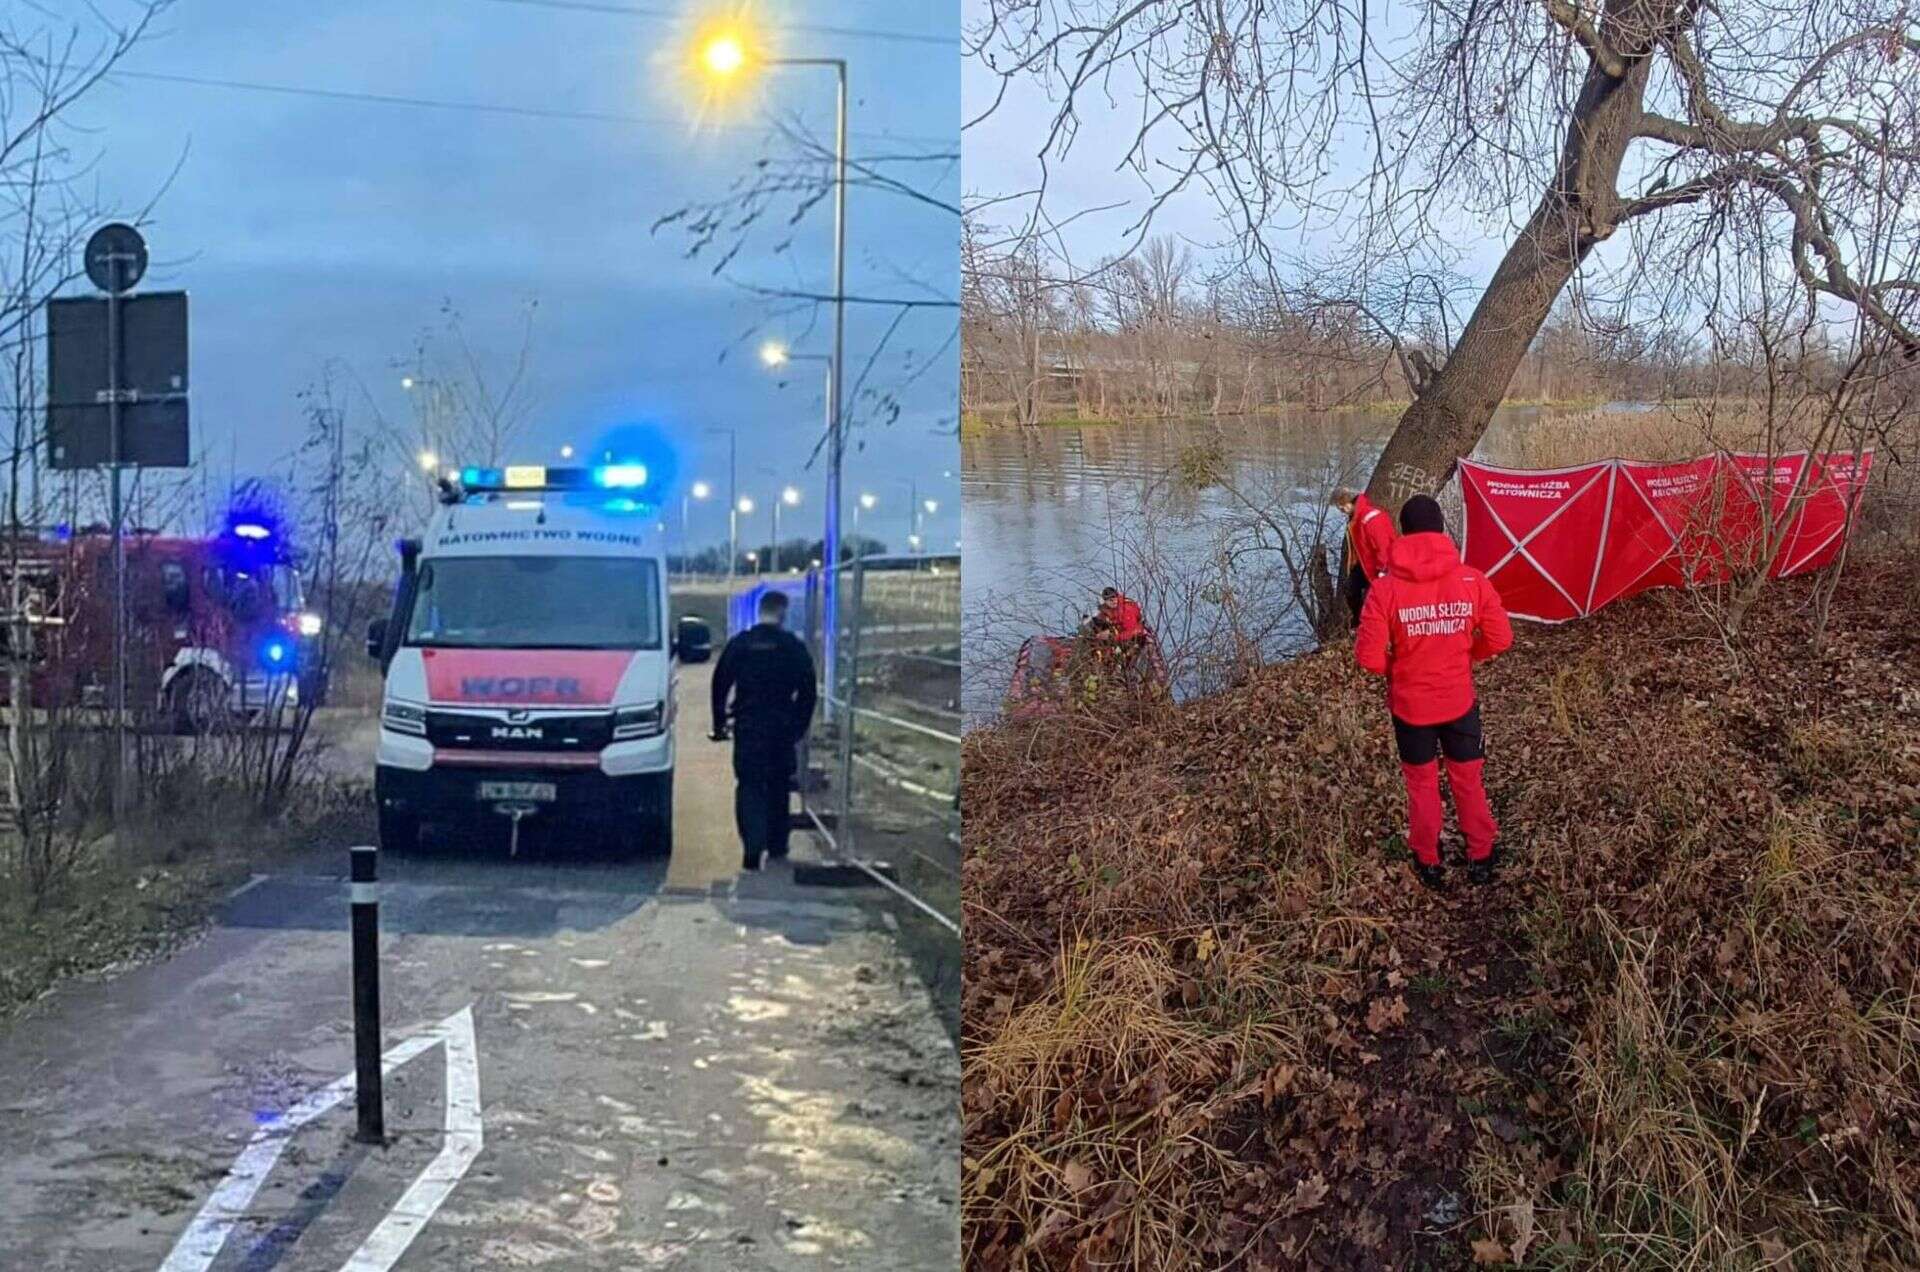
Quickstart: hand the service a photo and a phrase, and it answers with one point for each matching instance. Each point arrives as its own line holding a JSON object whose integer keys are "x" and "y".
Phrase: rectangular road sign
{"x": 152, "y": 381}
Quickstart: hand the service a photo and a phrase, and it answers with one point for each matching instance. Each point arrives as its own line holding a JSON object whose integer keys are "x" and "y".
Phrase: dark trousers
{"x": 763, "y": 776}
{"x": 1357, "y": 585}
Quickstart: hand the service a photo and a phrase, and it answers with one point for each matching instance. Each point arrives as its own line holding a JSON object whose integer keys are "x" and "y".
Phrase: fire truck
{"x": 530, "y": 672}
{"x": 217, "y": 628}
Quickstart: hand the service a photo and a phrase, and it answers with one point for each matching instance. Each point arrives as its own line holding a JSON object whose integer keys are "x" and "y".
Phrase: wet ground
{"x": 593, "y": 1064}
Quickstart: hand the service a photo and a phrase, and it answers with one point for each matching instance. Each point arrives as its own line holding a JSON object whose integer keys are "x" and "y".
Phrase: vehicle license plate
{"x": 518, "y": 791}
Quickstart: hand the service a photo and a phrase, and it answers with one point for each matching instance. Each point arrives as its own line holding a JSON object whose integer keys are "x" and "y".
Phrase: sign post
{"x": 116, "y": 396}
{"x": 116, "y": 259}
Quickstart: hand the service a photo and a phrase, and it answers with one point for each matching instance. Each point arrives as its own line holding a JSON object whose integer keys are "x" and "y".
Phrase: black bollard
{"x": 363, "y": 874}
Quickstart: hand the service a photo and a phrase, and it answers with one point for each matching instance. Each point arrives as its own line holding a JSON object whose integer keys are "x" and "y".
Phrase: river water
{"x": 1054, "y": 514}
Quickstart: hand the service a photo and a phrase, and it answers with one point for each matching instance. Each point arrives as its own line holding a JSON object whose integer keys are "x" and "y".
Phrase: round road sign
{"x": 116, "y": 257}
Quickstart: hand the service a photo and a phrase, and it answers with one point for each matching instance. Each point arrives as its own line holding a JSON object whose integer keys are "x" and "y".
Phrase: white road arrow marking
{"x": 201, "y": 1243}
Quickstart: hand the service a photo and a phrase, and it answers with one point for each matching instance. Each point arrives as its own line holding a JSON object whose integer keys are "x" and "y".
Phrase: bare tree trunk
{"x": 1447, "y": 418}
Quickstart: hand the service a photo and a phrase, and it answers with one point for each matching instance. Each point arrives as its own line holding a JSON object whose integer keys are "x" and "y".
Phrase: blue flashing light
{"x": 625, "y": 505}
{"x": 482, "y": 478}
{"x": 620, "y": 476}
{"x": 275, "y": 652}
{"x": 252, "y": 530}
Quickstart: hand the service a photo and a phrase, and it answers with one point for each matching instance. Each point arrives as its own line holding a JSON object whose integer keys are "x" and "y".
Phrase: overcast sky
{"x": 309, "y": 229}
{"x": 1099, "y": 201}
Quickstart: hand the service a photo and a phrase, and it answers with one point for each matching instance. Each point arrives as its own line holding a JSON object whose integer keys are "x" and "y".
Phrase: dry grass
{"x": 1209, "y": 1022}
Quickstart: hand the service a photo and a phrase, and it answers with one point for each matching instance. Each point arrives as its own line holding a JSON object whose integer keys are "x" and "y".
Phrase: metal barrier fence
{"x": 883, "y": 776}
{"x": 880, "y": 773}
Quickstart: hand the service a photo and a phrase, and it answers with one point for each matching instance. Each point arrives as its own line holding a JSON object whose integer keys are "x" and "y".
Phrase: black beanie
{"x": 1421, "y": 515}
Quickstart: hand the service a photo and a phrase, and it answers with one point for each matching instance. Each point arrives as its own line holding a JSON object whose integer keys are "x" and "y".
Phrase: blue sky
{"x": 309, "y": 230}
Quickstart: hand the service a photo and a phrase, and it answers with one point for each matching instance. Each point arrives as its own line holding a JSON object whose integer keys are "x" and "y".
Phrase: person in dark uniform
{"x": 769, "y": 675}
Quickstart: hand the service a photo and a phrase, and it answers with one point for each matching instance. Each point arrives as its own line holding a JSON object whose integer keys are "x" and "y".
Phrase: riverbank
{"x": 1210, "y": 1020}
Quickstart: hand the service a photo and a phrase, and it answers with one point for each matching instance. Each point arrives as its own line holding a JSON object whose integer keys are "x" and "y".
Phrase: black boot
{"x": 1481, "y": 872}
{"x": 1433, "y": 878}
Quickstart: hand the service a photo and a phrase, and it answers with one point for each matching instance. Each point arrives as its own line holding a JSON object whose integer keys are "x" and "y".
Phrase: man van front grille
{"x": 520, "y": 731}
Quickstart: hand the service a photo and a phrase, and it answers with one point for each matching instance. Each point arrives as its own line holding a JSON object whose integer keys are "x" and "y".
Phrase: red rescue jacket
{"x": 1370, "y": 530}
{"x": 1127, "y": 622}
{"x": 1424, "y": 626}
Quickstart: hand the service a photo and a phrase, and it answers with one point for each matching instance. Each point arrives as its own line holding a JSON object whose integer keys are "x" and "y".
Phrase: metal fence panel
{"x": 884, "y": 766}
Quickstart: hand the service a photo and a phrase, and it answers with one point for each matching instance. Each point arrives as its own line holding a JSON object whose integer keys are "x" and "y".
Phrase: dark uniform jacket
{"x": 770, "y": 675}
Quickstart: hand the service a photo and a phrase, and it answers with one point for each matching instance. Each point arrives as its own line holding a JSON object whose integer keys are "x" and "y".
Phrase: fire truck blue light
{"x": 275, "y": 653}
{"x": 252, "y": 530}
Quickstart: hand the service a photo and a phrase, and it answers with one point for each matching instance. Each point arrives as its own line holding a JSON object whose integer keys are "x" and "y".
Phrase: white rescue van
{"x": 530, "y": 670}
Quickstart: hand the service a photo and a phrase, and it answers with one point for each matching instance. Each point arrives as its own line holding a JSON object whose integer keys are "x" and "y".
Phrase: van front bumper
{"x": 446, "y": 793}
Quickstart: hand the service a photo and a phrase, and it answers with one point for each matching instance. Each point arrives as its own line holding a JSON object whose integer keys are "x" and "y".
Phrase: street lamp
{"x": 566, "y": 452}
{"x": 866, "y": 502}
{"x": 699, "y": 490}
{"x": 742, "y": 507}
{"x": 791, "y": 498}
{"x": 733, "y": 500}
{"x": 428, "y": 461}
{"x": 724, "y": 53}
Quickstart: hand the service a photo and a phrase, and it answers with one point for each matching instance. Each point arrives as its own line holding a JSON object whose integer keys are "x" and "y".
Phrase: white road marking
{"x": 384, "y": 1246}
{"x": 200, "y": 1244}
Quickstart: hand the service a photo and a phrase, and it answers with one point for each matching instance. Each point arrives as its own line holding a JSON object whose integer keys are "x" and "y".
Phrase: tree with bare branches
{"x": 1617, "y": 139}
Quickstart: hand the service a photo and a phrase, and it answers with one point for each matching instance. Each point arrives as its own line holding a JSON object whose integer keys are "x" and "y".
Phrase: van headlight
{"x": 404, "y": 717}
{"x": 639, "y": 722}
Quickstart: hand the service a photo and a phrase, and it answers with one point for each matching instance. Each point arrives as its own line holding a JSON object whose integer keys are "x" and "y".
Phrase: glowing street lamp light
{"x": 746, "y": 505}
{"x": 774, "y": 354}
{"x": 723, "y": 54}
{"x": 566, "y": 452}
{"x": 428, "y": 461}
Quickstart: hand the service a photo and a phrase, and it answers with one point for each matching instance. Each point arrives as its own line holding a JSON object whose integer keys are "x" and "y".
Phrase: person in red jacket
{"x": 1369, "y": 536}
{"x": 1122, "y": 613}
{"x": 1426, "y": 622}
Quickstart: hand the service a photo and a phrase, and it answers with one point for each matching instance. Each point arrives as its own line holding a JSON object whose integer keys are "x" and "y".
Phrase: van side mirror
{"x": 376, "y": 638}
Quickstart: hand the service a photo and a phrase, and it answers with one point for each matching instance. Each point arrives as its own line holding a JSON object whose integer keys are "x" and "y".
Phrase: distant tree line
{"x": 1154, "y": 334}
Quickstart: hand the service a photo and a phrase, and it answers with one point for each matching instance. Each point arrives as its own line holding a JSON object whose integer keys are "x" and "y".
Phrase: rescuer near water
{"x": 1369, "y": 536}
{"x": 1122, "y": 614}
{"x": 1427, "y": 620}
{"x": 770, "y": 676}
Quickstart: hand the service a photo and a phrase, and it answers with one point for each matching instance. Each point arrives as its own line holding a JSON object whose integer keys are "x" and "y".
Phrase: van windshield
{"x": 536, "y": 602}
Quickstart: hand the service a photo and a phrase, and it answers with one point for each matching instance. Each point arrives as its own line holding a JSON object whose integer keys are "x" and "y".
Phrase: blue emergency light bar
{"x": 535, "y": 477}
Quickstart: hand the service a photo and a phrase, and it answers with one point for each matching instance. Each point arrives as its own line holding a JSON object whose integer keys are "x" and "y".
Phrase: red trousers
{"x": 1425, "y": 814}
{"x": 1423, "y": 749}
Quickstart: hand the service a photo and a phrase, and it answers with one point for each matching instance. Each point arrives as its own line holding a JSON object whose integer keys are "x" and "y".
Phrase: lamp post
{"x": 699, "y": 490}
{"x": 722, "y": 55}
{"x": 791, "y": 498}
{"x": 733, "y": 500}
{"x": 867, "y": 502}
{"x": 741, "y": 508}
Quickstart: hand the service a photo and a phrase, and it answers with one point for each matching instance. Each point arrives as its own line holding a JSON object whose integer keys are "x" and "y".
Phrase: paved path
{"x": 675, "y": 1068}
